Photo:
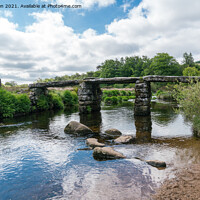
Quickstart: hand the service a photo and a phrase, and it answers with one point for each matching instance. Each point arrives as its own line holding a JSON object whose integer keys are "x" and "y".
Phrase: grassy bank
{"x": 12, "y": 104}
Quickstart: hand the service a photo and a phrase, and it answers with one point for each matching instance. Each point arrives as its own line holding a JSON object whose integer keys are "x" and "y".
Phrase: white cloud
{"x": 6, "y": 13}
{"x": 48, "y": 48}
{"x": 167, "y": 25}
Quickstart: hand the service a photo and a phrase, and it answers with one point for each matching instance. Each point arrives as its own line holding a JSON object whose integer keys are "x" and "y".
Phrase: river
{"x": 39, "y": 161}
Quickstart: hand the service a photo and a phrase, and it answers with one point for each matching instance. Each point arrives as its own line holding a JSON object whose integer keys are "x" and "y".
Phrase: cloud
{"x": 157, "y": 26}
{"x": 6, "y": 13}
{"x": 48, "y": 48}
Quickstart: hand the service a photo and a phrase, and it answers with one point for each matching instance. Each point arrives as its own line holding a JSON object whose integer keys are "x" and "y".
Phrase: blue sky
{"x": 44, "y": 43}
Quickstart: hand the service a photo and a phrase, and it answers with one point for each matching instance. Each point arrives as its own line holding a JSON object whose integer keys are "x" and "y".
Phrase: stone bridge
{"x": 89, "y": 93}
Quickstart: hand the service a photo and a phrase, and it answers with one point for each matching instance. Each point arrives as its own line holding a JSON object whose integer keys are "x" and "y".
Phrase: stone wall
{"x": 35, "y": 93}
{"x": 143, "y": 98}
{"x": 89, "y": 96}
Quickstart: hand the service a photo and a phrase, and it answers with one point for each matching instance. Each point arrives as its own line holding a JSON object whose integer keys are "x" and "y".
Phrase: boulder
{"x": 156, "y": 163}
{"x": 77, "y": 128}
{"x": 112, "y": 133}
{"x": 105, "y": 153}
{"x": 124, "y": 139}
{"x": 93, "y": 142}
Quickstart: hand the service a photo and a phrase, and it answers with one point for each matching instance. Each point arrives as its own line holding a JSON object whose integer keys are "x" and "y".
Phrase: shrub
{"x": 43, "y": 103}
{"x": 189, "y": 100}
{"x": 119, "y": 98}
{"x": 67, "y": 98}
{"x": 57, "y": 101}
{"x": 111, "y": 100}
{"x": 74, "y": 97}
{"x": 11, "y": 104}
{"x": 125, "y": 98}
{"x": 123, "y": 93}
{"x": 114, "y": 100}
{"x": 7, "y": 103}
{"x": 23, "y": 104}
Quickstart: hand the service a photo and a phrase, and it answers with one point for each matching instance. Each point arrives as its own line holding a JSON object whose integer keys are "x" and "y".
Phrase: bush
{"x": 125, "y": 98}
{"x": 7, "y": 104}
{"x": 74, "y": 97}
{"x": 57, "y": 101}
{"x": 43, "y": 103}
{"x": 189, "y": 100}
{"x": 119, "y": 98}
{"x": 23, "y": 104}
{"x": 67, "y": 98}
{"x": 111, "y": 101}
{"x": 70, "y": 98}
{"x": 123, "y": 93}
{"x": 11, "y": 104}
{"x": 114, "y": 100}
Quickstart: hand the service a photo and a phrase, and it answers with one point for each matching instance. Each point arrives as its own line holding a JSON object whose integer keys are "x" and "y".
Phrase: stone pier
{"x": 35, "y": 93}
{"x": 143, "y": 98}
{"x": 143, "y": 127}
{"x": 89, "y": 96}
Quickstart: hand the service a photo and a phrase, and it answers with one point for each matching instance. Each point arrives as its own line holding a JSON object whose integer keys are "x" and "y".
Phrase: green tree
{"x": 11, "y": 83}
{"x": 188, "y": 60}
{"x": 164, "y": 64}
{"x": 110, "y": 68}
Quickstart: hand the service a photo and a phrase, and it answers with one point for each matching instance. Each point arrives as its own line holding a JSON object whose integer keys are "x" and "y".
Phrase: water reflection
{"x": 163, "y": 113}
{"x": 92, "y": 120}
{"x": 39, "y": 161}
{"x": 143, "y": 126}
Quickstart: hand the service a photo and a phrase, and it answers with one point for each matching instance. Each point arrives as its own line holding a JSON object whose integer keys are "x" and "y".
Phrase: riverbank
{"x": 184, "y": 186}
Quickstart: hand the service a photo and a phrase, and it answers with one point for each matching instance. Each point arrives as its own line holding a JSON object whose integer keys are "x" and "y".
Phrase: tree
{"x": 188, "y": 60}
{"x": 11, "y": 83}
{"x": 110, "y": 68}
{"x": 164, "y": 64}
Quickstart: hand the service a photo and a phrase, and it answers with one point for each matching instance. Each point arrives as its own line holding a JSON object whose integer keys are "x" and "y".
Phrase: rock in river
{"x": 156, "y": 163}
{"x": 93, "y": 142}
{"x": 104, "y": 153}
{"x": 124, "y": 139}
{"x": 77, "y": 128}
{"x": 112, "y": 133}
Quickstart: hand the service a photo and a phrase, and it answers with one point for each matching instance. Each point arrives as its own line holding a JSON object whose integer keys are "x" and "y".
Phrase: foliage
{"x": 111, "y": 100}
{"x": 70, "y": 98}
{"x": 43, "y": 103}
{"x": 11, "y": 83}
{"x": 67, "y": 98}
{"x": 188, "y": 60}
{"x": 114, "y": 97}
{"x": 11, "y": 104}
{"x": 23, "y": 104}
{"x": 191, "y": 71}
{"x": 188, "y": 98}
{"x": 164, "y": 64}
{"x": 57, "y": 101}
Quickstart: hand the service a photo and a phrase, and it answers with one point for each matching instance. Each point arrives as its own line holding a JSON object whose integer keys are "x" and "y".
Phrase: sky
{"x": 46, "y": 42}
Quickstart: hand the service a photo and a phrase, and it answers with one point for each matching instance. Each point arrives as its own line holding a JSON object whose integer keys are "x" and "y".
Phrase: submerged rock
{"x": 105, "y": 153}
{"x": 77, "y": 128}
{"x": 93, "y": 142}
{"x": 124, "y": 139}
{"x": 112, "y": 133}
{"x": 156, "y": 163}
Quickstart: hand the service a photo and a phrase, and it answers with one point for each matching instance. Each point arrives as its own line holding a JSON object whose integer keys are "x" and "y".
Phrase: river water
{"x": 39, "y": 161}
